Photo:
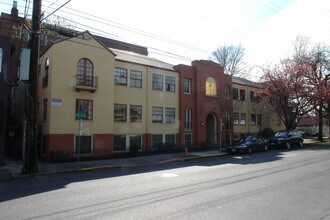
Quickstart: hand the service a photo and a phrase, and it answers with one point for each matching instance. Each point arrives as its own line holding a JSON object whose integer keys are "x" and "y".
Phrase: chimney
{"x": 14, "y": 10}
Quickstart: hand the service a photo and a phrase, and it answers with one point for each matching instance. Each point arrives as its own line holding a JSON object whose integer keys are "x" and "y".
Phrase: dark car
{"x": 286, "y": 139}
{"x": 249, "y": 144}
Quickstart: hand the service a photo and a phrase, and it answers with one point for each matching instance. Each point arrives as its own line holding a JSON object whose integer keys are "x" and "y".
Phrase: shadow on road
{"x": 23, "y": 187}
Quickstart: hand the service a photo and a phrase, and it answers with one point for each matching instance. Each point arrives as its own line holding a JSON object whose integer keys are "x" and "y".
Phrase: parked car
{"x": 249, "y": 144}
{"x": 286, "y": 139}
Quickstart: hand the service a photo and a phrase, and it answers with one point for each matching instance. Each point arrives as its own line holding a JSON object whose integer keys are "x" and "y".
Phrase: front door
{"x": 210, "y": 129}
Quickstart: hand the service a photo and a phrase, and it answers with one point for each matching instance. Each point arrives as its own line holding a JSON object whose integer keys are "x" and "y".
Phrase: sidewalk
{"x": 13, "y": 169}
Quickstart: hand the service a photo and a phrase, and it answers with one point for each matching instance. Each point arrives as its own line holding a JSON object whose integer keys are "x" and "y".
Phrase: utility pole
{"x": 30, "y": 159}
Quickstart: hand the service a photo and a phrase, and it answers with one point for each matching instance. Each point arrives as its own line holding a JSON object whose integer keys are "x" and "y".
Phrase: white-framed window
{"x": 187, "y": 119}
{"x": 236, "y": 118}
{"x": 84, "y": 108}
{"x": 157, "y": 114}
{"x": 169, "y": 115}
{"x": 255, "y": 119}
{"x": 235, "y": 94}
{"x": 242, "y": 94}
{"x": 157, "y": 82}
{"x": 135, "y": 113}
{"x": 120, "y": 113}
{"x": 242, "y": 119}
{"x": 135, "y": 141}
{"x": 85, "y": 72}
{"x": 135, "y": 78}
{"x": 120, "y": 76}
{"x": 170, "y": 83}
{"x": 187, "y": 86}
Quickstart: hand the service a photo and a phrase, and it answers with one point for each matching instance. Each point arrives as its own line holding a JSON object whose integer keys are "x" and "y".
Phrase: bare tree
{"x": 231, "y": 58}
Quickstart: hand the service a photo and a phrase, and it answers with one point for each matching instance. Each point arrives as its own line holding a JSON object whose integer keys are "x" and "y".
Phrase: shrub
{"x": 267, "y": 132}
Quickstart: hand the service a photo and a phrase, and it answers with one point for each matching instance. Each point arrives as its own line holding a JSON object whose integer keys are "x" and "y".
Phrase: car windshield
{"x": 281, "y": 134}
{"x": 247, "y": 139}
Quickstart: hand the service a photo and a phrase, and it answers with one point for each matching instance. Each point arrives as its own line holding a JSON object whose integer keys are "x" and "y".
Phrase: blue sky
{"x": 181, "y": 31}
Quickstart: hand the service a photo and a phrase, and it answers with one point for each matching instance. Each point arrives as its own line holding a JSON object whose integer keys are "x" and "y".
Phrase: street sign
{"x": 81, "y": 115}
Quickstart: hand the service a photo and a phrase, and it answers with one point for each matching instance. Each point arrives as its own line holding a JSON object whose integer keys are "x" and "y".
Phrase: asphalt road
{"x": 273, "y": 185}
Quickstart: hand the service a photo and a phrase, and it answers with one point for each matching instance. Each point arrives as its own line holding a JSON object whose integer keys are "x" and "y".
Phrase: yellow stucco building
{"x": 127, "y": 101}
{"x": 250, "y": 116}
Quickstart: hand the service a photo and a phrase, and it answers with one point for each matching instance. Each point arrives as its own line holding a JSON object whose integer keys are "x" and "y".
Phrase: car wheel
{"x": 288, "y": 145}
{"x": 266, "y": 147}
{"x": 301, "y": 144}
{"x": 250, "y": 150}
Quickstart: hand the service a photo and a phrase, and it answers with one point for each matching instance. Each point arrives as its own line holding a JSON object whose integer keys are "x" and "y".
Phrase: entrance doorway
{"x": 210, "y": 129}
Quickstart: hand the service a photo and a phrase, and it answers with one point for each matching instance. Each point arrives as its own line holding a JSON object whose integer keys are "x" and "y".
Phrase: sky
{"x": 179, "y": 31}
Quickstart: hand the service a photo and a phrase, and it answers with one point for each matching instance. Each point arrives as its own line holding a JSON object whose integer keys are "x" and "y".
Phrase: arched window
{"x": 210, "y": 87}
{"x": 85, "y": 72}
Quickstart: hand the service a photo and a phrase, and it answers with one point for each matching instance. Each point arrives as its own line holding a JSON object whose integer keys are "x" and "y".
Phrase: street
{"x": 278, "y": 184}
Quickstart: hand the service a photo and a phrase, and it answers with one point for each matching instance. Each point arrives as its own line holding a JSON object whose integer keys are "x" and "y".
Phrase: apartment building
{"x": 250, "y": 115}
{"x": 126, "y": 100}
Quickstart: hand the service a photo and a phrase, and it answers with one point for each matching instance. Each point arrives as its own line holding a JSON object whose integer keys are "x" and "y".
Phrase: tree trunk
{"x": 320, "y": 113}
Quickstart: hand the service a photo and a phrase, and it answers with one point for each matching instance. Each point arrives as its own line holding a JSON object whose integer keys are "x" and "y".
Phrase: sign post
{"x": 220, "y": 130}
{"x": 80, "y": 116}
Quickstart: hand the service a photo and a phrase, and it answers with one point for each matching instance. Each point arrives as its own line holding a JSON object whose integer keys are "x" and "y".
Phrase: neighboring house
{"x": 4, "y": 92}
{"x": 310, "y": 125}
{"x": 250, "y": 116}
{"x": 129, "y": 100}
{"x": 13, "y": 39}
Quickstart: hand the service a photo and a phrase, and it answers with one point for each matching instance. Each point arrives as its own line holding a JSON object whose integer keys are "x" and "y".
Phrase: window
{"x": 135, "y": 113}
{"x": 85, "y": 72}
{"x": 120, "y": 113}
{"x": 236, "y": 118}
{"x": 259, "y": 118}
{"x": 187, "y": 119}
{"x": 170, "y": 83}
{"x": 228, "y": 121}
{"x": 253, "y": 119}
{"x": 44, "y": 109}
{"x": 235, "y": 93}
{"x": 119, "y": 143}
{"x": 157, "y": 82}
{"x": 157, "y": 114}
{"x": 120, "y": 76}
{"x": 135, "y": 79}
{"x": 169, "y": 115}
{"x": 135, "y": 140}
{"x": 83, "y": 145}
{"x": 187, "y": 86}
{"x": 187, "y": 140}
{"x": 210, "y": 87}
{"x": 157, "y": 141}
{"x": 226, "y": 92}
{"x": 242, "y": 94}
{"x": 170, "y": 140}
{"x": 253, "y": 97}
{"x": 242, "y": 120}
{"x": 45, "y": 78}
{"x": 84, "y": 107}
